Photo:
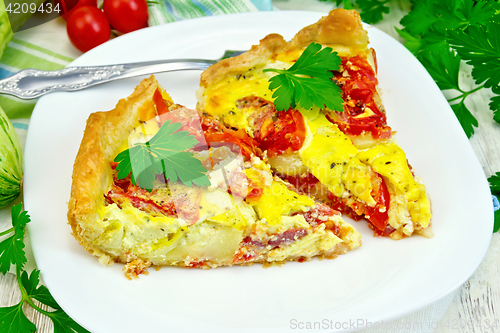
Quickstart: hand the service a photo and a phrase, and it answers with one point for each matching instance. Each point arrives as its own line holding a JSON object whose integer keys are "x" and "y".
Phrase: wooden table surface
{"x": 478, "y": 300}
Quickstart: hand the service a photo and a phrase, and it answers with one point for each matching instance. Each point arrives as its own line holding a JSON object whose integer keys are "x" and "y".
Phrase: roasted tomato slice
{"x": 379, "y": 215}
{"x": 302, "y": 182}
{"x": 361, "y": 112}
{"x": 281, "y": 132}
{"x": 161, "y": 106}
{"x": 276, "y": 132}
{"x": 215, "y": 132}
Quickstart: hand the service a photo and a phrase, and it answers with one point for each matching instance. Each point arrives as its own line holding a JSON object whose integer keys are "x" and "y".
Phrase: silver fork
{"x": 33, "y": 83}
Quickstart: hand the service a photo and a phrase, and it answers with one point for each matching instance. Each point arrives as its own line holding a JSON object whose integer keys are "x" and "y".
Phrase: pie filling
{"x": 347, "y": 160}
{"x": 246, "y": 215}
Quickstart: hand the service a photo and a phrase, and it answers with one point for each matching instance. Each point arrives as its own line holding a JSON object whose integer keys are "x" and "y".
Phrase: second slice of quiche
{"x": 345, "y": 157}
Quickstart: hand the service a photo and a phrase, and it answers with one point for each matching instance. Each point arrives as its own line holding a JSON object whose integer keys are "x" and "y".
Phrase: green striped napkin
{"x": 47, "y": 47}
{"x": 174, "y": 10}
{"x": 20, "y": 54}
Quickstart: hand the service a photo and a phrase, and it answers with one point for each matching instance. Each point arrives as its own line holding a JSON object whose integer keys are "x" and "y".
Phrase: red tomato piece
{"x": 67, "y": 7}
{"x": 196, "y": 264}
{"x": 374, "y": 215}
{"x": 216, "y": 132}
{"x": 281, "y": 132}
{"x": 88, "y": 27}
{"x": 161, "y": 107}
{"x": 378, "y": 219}
{"x": 126, "y": 15}
{"x": 302, "y": 182}
{"x": 358, "y": 93}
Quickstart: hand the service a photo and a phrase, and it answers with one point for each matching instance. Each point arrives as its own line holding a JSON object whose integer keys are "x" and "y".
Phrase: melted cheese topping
{"x": 390, "y": 161}
{"x": 337, "y": 163}
{"x": 331, "y": 157}
{"x": 221, "y": 98}
{"x": 278, "y": 201}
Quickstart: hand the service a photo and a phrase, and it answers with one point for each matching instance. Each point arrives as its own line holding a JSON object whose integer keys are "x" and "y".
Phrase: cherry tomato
{"x": 67, "y": 7}
{"x": 126, "y": 15}
{"x": 88, "y": 27}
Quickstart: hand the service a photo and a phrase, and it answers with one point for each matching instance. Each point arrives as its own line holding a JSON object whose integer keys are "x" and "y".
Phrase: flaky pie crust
{"x": 104, "y": 133}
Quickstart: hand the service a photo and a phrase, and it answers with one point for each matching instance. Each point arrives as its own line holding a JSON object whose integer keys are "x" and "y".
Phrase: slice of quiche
{"x": 242, "y": 214}
{"x": 345, "y": 158}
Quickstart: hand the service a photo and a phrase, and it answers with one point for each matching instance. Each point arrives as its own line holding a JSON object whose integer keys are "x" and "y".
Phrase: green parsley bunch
{"x": 443, "y": 33}
{"x": 12, "y": 318}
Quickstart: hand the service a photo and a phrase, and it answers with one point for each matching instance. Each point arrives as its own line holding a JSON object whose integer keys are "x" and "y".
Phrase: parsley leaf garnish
{"x": 12, "y": 318}
{"x": 33, "y": 290}
{"x": 12, "y": 248}
{"x": 444, "y": 68}
{"x": 309, "y": 81}
{"x": 495, "y": 184}
{"x": 495, "y": 190}
{"x": 442, "y": 33}
{"x": 495, "y": 104}
{"x": 372, "y": 11}
{"x": 465, "y": 117}
{"x": 480, "y": 47}
{"x": 496, "y": 225}
{"x": 164, "y": 153}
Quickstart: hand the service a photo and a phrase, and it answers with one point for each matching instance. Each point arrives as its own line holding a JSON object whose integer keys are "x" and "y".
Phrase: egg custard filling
{"x": 346, "y": 159}
{"x": 245, "y": 215}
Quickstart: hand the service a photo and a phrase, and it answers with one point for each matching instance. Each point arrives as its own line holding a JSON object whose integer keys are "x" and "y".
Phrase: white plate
{"x": 382, "y": 280}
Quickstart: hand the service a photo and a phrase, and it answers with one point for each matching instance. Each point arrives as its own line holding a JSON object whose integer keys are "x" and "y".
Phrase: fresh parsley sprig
{"x": 164, "y": 153}
{"x": 441, "y": 34}
{"x": 495, "y": 184}
{"x": 372, "y": 11}
{"x": 495, "y": 190}
{"x": 479, "y": 46}
{"x": 12, "y": 318}
{"x": 309, "y": 81}
{"x": 12, "y": 248}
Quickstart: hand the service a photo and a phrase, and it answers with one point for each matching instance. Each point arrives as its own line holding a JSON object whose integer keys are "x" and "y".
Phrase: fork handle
{"x": 33, "y": 83}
